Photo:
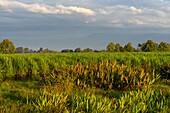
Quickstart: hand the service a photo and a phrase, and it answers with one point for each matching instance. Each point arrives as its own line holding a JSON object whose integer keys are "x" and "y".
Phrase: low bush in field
{"x": 69, "y": 80}
{"x": 145, "y": 100}
{"x": 104, "y": 75}
{"x": 15, "y": 97}
{"x": 35, "y": 66}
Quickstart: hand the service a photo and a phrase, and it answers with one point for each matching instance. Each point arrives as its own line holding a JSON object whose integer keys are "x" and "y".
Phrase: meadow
{"x": 85, "y": 82}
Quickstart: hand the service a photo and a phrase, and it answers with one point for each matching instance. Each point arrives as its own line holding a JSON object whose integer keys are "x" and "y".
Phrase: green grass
{"x": 30, "y": 83}
{"x": 23, "y": 96}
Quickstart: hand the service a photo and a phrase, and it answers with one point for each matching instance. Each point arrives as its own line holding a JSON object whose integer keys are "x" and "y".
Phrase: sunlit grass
{"x": 84, "y": 83}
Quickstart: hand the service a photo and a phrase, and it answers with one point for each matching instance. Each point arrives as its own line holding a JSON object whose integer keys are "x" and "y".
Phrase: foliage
{"x": 128, "y": 48}
{"x": 7, "y": 47}
{"x": 118, "y": 48}
{"x": 88, "y": 50}
{"x": 149, "y": 46}
{"x": 163, "y": 46}
{"x": 78, "y": 50}
{"x": 26, "y": 50}
{"x": 46, "y": 101}
{"x": 143, "y": 101}
{"x": 35, "y": 66}
{"x": 19, "y": 50}
{"x": 67, "y": 51}
{"x": 107, "y": 75}
{"x": 90, "y": 103}
{"x": 19, "y": 96}
{"x": 110, "y": 47}
{"x": 86, "y": 82}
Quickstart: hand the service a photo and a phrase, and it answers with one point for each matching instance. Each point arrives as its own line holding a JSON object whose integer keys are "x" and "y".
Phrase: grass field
{"x": 85, "y": 82}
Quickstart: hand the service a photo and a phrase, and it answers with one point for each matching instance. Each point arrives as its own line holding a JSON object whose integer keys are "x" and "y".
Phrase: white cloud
{"x": 154, "y": 12}
{"x": 115, "y": 21}
{"x": 135, "y": 21}
{"x": 104, "y": 12}
{"x": 84, "y": 11}
{"x": 43, "y": 8}
{"x": 101, "y": 14}
{"x": 135, "y": 10}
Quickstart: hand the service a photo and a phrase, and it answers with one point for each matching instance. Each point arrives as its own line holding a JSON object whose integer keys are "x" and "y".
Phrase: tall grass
{"x": 23, "y": 66}
{"x": 61, "y": 74}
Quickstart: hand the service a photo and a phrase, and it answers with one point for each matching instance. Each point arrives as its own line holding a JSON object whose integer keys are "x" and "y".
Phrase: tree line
{"x": 149, "y": 46}
{"x": 27, "y": 50}
{"x": 7, "y": 47}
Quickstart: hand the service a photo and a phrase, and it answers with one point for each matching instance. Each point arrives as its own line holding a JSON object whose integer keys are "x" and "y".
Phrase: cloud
{"x": 120, "y": 9}
{"x": 154, "y": 12}
{"x": 10, "y": 6}
{"x": 100, "y": 13}
{"x": 115, "y": 21}
{"x": 104, "y": 12}
{"x": 135, "y": 10}
{"x": 135, "y": 21}
{"x": 84, "y": 11}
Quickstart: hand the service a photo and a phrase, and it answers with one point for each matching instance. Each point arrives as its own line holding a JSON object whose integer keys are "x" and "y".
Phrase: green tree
{"x": 19, "y": 50}
{"x": 88, "y": 50}
{"x": 110, "y": 47}
{"x": 65, "y": 51}
{"x": 102, "y": 50}
{"x": 71, "y": 51}
{"x": 46, "y": 50}
{"x": 149, "y": 46}
{"x": 26, "y": 50}
{"x": 129, "y": 48}
{"x": 31, "y": 51}
{"x": 96, "y": 50}
{"x": 118, "y": 48}
{"x": 163, "y": 46}
{"x": 78, "y": 50}
{"x": 7, "y": 47}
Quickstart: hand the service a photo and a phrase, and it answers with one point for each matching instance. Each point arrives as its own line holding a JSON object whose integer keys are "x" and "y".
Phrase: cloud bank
{"x": 153, "y": 13}
{"x": 10, "y": 6}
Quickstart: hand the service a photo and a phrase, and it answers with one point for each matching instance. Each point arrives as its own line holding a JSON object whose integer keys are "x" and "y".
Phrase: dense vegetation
{"x": 85, "y": 82}
{"x": 149, "y": 46}
{"x": 7, "y": 47}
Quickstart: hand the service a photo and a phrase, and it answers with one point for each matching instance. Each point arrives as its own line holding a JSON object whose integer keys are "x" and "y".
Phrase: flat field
{"x": 85, "y": 82}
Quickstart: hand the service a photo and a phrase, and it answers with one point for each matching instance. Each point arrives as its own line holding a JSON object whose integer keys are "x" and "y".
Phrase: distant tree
{"x": 31, "y": 51}
{"x": 121, "y": 49}
{"x": 102, "y": 50}
{"x": 47, "y": 50}
{"x": 78, "y": 50}
{"x": 34, "y": 51}
{"x": 149, "y": 46}
{"x": 96, "y": 50}
{"x": 129, "y": 48}
{"x": 7, "y": 47}
{"x": 71, "y": 51}
{"x": 65, "y": 51}
{"x": 110, "y": 47}
{"x": 26, "y": 50}
{"x": 19, "y": 50}
{"x": 88, "y": 50}
{"x": 40, "y": 50}
{"x": 118, "y": 48}
{"x": 163, "y": 46}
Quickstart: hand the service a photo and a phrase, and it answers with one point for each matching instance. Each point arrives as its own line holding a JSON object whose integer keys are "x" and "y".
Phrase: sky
{"x": 68, "y": 24}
